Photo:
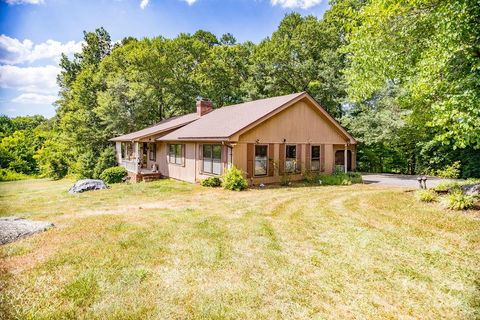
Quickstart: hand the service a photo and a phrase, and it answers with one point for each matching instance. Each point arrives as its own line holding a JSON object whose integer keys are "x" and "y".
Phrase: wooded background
{"x": 402, "y": 76}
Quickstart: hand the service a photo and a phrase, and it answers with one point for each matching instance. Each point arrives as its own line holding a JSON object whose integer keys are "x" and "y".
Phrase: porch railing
{"x": 130, "y": 165}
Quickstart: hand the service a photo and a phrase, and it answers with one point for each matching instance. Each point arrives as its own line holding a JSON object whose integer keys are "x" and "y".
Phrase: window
{"x": 212, "y": 154}
{"x": 175, "y": 153}
{"x": 290, "y": 158}
{"x": 261, "y": 160}
{"x": 152, "y": 152}
{"x": 315, "y": 161}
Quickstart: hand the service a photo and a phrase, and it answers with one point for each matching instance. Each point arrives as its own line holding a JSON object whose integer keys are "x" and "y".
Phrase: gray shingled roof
{"x": 162, "y": 126}
{"x": 223, "y": 122}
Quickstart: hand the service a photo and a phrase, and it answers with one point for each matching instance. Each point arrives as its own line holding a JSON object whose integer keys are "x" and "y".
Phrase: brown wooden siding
{"x": 322, "y": 157}
{"x": 271, "y": 167}
{"x": 250, "y": 159}
{"x": 308, "y": 150}
{"x": 281, "y": 159}
{"x": 299, "y": 157}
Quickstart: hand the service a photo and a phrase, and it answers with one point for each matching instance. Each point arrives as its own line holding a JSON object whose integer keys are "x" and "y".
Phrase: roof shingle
{"x": 223, "y": 122}
{"x": 162, "y": 126}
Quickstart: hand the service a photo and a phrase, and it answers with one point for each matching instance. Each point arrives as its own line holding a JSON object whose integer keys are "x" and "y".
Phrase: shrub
{"x": 105, "y": 160}
{"x": 9, "y": 175}
{"x": 285, "y": 180}
{"x": 233, "y": 179}
{"x": 113, "y": 174}
{"x": 311, "y": 176}
{"x": 211, "y": 182}
{"x": 335, "y": 179}
{"x": 459, "y": 201}
{"x": 426, "y": 195}
{"x": 450, "y": 172}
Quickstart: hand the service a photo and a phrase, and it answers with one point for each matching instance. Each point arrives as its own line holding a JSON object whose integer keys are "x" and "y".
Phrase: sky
{"x": 34, "y": 33}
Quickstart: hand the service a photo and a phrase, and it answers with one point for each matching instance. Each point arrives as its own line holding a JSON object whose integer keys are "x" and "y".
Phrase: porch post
{"x": 345, "y": 155}
{"x": 136, "y": 148}
{"x": 118, "y": 151}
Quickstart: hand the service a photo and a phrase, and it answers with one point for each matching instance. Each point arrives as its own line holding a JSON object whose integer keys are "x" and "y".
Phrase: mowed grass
{"x": 173, "y": 250}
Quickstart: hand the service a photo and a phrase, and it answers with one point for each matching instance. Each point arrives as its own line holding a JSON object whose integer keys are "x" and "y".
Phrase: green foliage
{"x": 113, "y": 174}
{"x": 233, "y": 179}
{"x": 211, "y": 182}
{"x": 457, "y": 200}
{"x": 17, "y": 151}
{"x": 425, "y": 52}
{"x": 426, "y": 195}
{"x": 106, "y": 160}
{"x": 86, "y": 165}
{"x": 340, "y": 178}
{"x": 53, "y": 159}
{"x": 450, "y": 172}
{"x": 447, "y": 186}
{"x": 9, "y": 175}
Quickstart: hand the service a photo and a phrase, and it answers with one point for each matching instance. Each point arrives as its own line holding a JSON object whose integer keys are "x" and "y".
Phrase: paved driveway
{"x": 398, "y": 180}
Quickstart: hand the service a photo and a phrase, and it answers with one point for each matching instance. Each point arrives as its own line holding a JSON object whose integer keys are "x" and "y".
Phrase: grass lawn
{"x": 172, "y": 250}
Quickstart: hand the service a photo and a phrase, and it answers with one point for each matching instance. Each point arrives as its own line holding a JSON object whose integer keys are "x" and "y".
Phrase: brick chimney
{"x": 204, "y": 106}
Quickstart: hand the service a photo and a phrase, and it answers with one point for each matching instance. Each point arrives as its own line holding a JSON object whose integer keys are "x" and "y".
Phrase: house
{"x": 264, "y": 138}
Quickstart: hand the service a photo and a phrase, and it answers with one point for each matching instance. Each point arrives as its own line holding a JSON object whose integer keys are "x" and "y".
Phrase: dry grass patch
{"x": 174, "y": 250}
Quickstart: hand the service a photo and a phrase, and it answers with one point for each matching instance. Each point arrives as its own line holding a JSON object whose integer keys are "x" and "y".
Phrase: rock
{"x": 86, "y": 185}
{"x": 471, "y": 189}
{"x": 13, "y": 228}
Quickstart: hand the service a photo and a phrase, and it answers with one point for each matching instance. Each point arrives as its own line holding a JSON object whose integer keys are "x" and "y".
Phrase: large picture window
{"x": 261, "y": 160}
{"x": 212, "y": 154}
{"x": 315, "y": 160}
{"x": 175, "y": 153}
{"x": 290, "y": 158}
{"x": 152, "y": 152}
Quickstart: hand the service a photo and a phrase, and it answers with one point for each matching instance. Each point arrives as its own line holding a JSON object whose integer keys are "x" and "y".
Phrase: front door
{"x": 340, "y": 159}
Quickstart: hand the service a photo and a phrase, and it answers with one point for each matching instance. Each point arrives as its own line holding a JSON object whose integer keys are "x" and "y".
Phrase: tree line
{"x": 402, "y": 76}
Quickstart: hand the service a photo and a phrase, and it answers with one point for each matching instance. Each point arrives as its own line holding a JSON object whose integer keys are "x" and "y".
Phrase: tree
{"x": 302, "y": 55}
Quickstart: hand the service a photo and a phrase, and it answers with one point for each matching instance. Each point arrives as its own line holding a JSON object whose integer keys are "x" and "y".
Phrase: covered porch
{"x": 139, "y": 158}
{"x": 344, "y": 158}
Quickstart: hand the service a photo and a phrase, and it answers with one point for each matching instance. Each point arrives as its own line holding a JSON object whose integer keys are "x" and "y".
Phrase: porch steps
{"x": 147, "y": 177}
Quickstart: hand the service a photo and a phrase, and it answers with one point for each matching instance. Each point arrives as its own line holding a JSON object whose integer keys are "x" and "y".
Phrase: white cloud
{"x": 12, "y": 2}
{"x": 144, "y": 3}
{"x": 34, "y": 98}
{"x": 304, "y": 4}
{"x": 190, "y": 2}
{"x": 14, "y": 51}
{"x": 30, "y": 79}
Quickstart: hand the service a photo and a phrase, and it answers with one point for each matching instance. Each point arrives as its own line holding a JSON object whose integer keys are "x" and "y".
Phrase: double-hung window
{"x": 152, "y": 151}
{"x": 290, "y": 158}
{"x": 175, "y": 153}
{"x": 212, "y": 154}
{"x": 261, "y": 160}
{"x": 315, "y": 160}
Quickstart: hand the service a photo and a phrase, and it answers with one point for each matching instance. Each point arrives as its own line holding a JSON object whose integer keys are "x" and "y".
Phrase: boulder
{"x": 13, "y": 228}
{"x": 471, "y": 189}
{"x": 86, "y": 185}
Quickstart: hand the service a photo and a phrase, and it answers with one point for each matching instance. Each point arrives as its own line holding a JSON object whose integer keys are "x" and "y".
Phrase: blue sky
{"x": 33, "y": 33}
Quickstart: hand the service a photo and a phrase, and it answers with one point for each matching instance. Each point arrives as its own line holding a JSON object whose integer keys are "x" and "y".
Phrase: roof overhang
{"x": 150, "y": 134}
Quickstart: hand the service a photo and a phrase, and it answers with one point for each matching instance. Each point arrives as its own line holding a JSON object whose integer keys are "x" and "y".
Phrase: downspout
{"x": 345, "y": 164}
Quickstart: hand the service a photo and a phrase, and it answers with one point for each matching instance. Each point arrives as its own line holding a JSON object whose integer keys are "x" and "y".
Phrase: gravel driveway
{"x": 399, "y": 180}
